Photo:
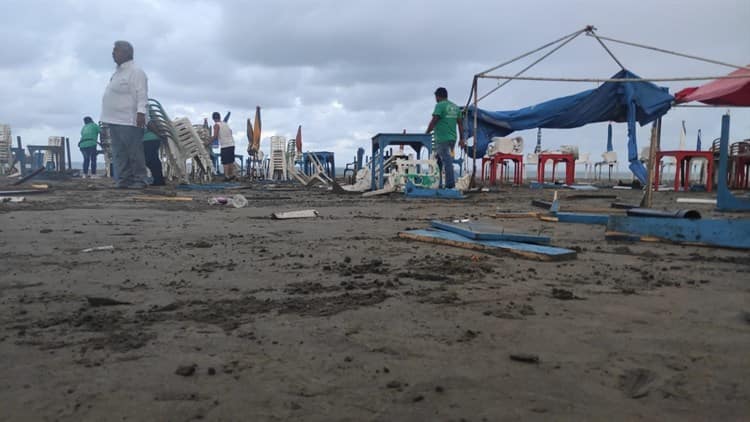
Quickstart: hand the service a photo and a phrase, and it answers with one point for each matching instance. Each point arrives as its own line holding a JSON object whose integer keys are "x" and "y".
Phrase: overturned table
{"x": 415, "y": 140}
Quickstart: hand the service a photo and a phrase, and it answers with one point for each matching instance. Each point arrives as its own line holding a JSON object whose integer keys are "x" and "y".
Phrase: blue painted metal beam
{"x": 581, "y": 218}
{"x": 484, "y": 231}
{"x": 413, "y": 191}
{"x": 525, "y": 250}
{"x": 725, "y": 201}
{"x": 725, "y": 233}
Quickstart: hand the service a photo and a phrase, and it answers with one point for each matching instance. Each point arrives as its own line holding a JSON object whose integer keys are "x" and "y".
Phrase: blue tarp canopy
{"x": 630, "y": 102}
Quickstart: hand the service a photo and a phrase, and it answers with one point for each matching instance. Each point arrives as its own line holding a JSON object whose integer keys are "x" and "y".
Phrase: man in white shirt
{"x": 124, "y": 111}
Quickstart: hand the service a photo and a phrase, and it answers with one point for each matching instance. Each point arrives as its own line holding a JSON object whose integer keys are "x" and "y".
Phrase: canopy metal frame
{"x": 556, "y": 45}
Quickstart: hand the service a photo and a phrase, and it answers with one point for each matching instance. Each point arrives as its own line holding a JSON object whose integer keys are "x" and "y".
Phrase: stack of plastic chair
{"x": 277, "y": 160}
{"x": 183, "y": 143}
{"x": 191, "y": 147}
{"x": 293, "y": 157}
{"x": 6, "y": 142}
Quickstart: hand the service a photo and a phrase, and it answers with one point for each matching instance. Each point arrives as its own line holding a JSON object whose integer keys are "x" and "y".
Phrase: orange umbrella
{"x": 249, "y": 136}
{"x": 298, "y": 139}
{"x": 256, "y": 129}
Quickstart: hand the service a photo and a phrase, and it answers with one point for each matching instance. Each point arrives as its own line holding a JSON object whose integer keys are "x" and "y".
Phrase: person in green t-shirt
{"x": 151, "y": 145}
{"x": 443, "y": 127}
{"x": 87, "y": 144}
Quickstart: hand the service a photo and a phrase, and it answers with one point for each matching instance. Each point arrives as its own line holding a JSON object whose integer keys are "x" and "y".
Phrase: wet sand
{"x": 217, "y": 313}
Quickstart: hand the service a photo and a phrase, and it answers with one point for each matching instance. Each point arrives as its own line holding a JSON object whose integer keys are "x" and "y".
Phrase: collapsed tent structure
{"x": 630, "y": 102}
{"x": 625, "y": 97}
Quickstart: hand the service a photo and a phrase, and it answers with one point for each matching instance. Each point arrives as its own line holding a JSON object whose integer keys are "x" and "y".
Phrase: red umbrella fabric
{"x": 726, "y": 92}
{"x": 298, "y": 139}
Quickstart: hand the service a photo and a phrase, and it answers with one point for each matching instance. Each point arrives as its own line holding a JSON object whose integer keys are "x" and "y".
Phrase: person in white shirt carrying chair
{"x": 124, "y": 112}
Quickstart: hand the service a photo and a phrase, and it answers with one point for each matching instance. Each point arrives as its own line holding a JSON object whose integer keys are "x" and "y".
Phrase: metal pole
{"x": 61, "y": 164}
{"x": 603, "y": 80}
{"x": 476, "y": 137}
{"x": 648, "y": 197}
{"x": 67, "y": 146}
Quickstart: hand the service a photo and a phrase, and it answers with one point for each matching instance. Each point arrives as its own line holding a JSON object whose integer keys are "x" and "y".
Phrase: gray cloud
{"x": 348, "y": 70}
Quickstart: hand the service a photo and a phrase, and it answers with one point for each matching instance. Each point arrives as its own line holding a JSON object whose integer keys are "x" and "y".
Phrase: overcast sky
{"x": 347, "y": 70}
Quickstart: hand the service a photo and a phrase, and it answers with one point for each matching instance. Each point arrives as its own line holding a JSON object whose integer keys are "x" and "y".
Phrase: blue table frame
{"x": 415, "y": 140}
{"x": 326, "y": 158}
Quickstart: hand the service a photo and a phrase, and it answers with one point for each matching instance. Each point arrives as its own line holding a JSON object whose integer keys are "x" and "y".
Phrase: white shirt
{"x": 225, "y": 135}
{"x": 125, "y": 95}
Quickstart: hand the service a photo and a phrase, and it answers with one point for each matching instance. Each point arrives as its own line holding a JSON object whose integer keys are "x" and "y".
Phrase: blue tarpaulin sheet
{"x": 630, "y": 102}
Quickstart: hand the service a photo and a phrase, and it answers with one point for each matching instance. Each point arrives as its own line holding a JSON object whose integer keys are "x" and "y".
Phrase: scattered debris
{"x": 12, "y": 199}
{"x": 295, "y": 214}
{"x": 237, "y": 201}
{"x": 525, "y": 357}
{"x": 486, "y": 231}
{"x": 29, "y": 177}
{"x": 162, "y": 198}
{"x": 696, "y": 201}
{"x": 525, "y": 250}
{"x": 99, "y": 248}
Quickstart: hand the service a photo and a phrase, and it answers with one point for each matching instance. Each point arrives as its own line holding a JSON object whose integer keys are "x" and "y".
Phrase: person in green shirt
{"x": 151, "y": 145}
{"x": 87, "y": 145}
{"x": 445, "y": 116}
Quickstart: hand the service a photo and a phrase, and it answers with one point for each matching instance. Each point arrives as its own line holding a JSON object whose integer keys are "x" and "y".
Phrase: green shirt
{"x": 89, "y": 135}
{"x": 150, "y": 136}
{"x": 445, "y": 129}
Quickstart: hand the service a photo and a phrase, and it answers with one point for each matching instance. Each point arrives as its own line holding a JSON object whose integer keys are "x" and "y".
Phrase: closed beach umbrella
{"x": 683, "y": 135}
{"x": 538, "y": 148}
{"x": 256, "y": 129}
{"x": 610, "y": 148}
{"x": 250, "y": 137}
{"x": 298, "y": 139}
{"x": 698, "y": 142}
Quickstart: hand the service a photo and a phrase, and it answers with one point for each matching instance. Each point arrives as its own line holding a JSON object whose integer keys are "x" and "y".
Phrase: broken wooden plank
{"x": 295, "y": 214}
{"x": 29, "y": 176}
{"x": 725, "y": 233}
{"x": 162, "y": 198}
{"x": 696, "y": 201}
{"x": 484, "y": 231}
{"x": 511, "y": 214}
{"x": 523, "y": 250}
{"x": 541, "y": 204}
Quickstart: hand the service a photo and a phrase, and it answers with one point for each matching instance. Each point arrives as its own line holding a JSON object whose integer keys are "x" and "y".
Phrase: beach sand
{"x": 230, "y": 315}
